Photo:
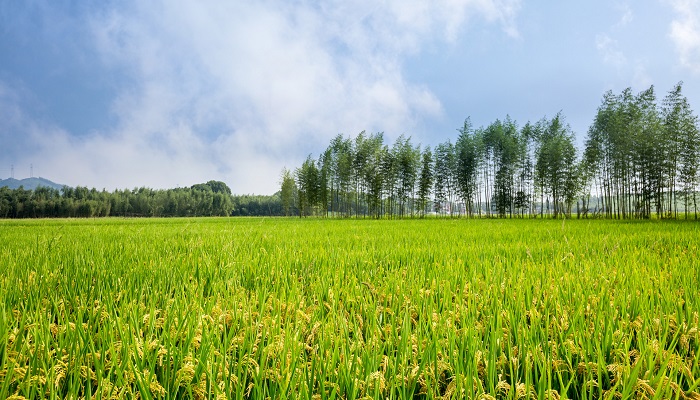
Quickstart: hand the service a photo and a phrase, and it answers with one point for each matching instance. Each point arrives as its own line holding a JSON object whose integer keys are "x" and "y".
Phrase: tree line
{"x": 640, "y": 160}
{"x": 205, "y": 199}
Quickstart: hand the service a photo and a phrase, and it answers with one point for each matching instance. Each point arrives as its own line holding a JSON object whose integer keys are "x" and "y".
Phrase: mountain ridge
{"x": 29, "y": 183}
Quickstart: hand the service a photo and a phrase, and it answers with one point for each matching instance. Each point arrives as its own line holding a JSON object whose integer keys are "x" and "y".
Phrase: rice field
{"x": 346, "y": 309}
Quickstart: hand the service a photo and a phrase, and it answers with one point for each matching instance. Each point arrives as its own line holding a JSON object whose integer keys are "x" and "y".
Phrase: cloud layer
{"x": 685, "y": 32}
{"x": 189, "y": 91}
{"x": 235, "y": 90}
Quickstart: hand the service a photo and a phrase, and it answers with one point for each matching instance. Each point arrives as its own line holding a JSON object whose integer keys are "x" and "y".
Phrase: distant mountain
{"x": 29, "y": 183}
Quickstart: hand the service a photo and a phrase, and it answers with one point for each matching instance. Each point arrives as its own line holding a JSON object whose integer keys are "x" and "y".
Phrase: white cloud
{"x": 625, "y": 57}
{"x": 237, "y": 90}
{"x": 610, "y": 52}
{"x": 641, "y": 78}
{"x": 685, "y": 32}
{"x": 627, "y": 14}
{"x": 18, "y": 133}
{"x": 109, "y": 161}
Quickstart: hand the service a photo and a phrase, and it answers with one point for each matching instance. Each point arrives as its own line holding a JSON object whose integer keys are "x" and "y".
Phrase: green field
{"x": 345, "y": 309}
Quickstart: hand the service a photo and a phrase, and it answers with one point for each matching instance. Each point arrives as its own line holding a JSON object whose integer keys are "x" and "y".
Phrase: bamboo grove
{"x": 641, "y": 159}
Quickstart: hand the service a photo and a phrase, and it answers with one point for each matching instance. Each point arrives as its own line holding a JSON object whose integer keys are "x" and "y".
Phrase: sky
{"x": 168, "y": 93}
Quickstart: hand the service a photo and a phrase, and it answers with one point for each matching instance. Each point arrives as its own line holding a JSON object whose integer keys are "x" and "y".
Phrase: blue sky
{"x": 120, "y": 94}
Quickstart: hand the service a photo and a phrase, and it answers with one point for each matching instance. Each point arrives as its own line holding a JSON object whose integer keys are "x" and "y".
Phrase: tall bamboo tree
{"x": 425, "y": 182}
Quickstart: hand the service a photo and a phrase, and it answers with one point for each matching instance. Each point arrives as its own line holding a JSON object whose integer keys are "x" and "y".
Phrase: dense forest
{"x": 213, "y": 198}
{"x": 640, "y": 160}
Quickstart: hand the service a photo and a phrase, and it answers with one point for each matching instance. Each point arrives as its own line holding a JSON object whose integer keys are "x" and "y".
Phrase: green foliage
{"x": 644, "y": 160}
{"x": 426, "y": 180}
{"x": 308, "y": 187}
{"x": 556, "y": 172}
{"x": 345, "y": 309}
{"x": 210, "y": 199}
{"x": 288, "y": 191}
{"x": 468, "y": 158}
{"x": 213, "y": 186}
{"x": 639, "y": 161}
{"x": 250, "y": 205}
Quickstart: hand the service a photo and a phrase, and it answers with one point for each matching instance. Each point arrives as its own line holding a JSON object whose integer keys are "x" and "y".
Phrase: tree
{"x": 389, "y": 170}
{"x": 219, "y": 187}
{"x": 525, "y": 173}
{"x": 443, "y": 158}
{"x": 408, "y": 163}
{"x": 425, "y": 181}
{"x": 372, "y": 173}
{"x": 501, "y": 140}
{"x": 308, "y": 186}
{"x": 648, "y": 154}
{"x": 287, "y": 191}
{"x": 606, "y": 152}
{"x": 556, "y": 169}
{"x": 681, "y": 128}
{"x": 324, "y": 181}
{"x": 341, "y": 151}
{"x": 468, "y": 157}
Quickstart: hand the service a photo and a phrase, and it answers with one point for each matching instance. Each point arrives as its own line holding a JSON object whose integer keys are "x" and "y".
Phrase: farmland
{"x": 344, "y": 309}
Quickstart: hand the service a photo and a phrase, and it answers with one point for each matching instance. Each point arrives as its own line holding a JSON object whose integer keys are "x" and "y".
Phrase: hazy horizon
{"x": 164, "y": 94}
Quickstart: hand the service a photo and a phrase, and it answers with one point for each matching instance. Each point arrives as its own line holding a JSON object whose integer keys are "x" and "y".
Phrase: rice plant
{"x": 345, "y": 309}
